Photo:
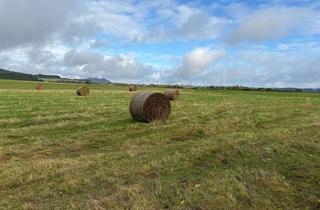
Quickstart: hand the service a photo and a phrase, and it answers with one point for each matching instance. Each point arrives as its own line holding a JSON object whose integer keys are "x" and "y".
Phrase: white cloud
{"x": 264, "y": 68}
{"x": 274, "y": 23}
{"x": 196, "y": 62}
{"x": 193, "y": 23}
{"x": 115, "y": 68}
{"x": 199, "y": 25}
{"x": 185, "y": 22}
{"x": 55, "y": 58}
{"x": 33, "y": 21}
{"x": 99, "y": 43}
{"x": 71, "y": 21}
{"x": 73, "y": 38}
{"x": 120, "y": 19}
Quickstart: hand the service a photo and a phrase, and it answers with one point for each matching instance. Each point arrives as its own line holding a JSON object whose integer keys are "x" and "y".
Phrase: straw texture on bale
{"x": 83, "y": 91}
{"x": 149, "y": 107}
{"x": 172, "y": 94}
{"x": 40, "y": 87}
{"x": 133, "y": 88}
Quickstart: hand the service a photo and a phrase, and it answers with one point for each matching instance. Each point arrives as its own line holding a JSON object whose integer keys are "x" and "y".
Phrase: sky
{"x": 262, "y": 43}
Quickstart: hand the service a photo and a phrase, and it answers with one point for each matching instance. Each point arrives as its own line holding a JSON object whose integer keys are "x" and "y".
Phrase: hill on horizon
{"x": 13, "y": 75}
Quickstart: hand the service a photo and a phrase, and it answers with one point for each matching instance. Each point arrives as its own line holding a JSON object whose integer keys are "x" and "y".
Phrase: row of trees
{"x": 10, "y": 75}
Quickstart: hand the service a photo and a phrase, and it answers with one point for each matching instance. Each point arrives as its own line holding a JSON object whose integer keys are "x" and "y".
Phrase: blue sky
{"x": 227, "y": 42}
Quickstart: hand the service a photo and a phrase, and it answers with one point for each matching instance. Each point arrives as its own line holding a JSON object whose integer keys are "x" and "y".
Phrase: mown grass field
{"x": 218, "y": 150}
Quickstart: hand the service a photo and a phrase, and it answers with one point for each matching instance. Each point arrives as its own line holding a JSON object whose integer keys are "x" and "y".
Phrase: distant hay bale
{"x": 172, "y": 94}
{"x": 149, "y": 107}
{"x": 133, "y": 88}
{"x": 39, "y": 87}
{"x": 83, "y": 91}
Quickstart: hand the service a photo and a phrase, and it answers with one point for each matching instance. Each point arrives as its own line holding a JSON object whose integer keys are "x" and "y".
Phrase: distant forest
{"x": 11, "y": 75}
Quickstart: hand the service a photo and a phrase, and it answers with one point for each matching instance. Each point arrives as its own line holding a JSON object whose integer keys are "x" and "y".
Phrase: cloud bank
{"x": 263, "y": 44}
{"x": 274, "y": 23}
{"x": 196, "y": 62}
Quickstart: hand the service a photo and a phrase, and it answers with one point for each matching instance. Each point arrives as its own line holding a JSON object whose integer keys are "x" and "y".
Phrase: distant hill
{"x": 11, "y": 75}
{"x": 98, "y": 80}
{"x": 287, "y": 89}
{"x": 48, "y": 76}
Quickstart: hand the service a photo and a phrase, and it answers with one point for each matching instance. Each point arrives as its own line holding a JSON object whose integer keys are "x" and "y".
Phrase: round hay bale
{"x": 83, "y": 91}
{"x": 39, "y": 87}
{"x": 172, "y": 94}
{"x": 133, "y": 88}
{"x": 149, "y": 107}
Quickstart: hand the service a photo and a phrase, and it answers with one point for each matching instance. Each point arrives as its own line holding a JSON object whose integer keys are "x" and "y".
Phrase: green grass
{"x": 218, "y": 150}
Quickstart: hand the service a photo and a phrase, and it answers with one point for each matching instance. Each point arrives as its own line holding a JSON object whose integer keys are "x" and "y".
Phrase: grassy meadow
{"x": 218, "y": 150}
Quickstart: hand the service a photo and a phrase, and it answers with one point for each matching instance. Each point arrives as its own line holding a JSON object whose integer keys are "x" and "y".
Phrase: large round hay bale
{"x": 133, "y": 88}
{"x": 83, "y": 91}
{"x": 39, "y": 87}
{"x": 172, "y": 94}
{"x": 150, "y": 107}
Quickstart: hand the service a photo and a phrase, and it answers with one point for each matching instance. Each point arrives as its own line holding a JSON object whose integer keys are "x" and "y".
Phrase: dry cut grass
{"x": 218, "y": 150}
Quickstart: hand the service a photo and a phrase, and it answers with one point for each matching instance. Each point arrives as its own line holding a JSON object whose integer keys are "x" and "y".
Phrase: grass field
{"x": 218, "y": 150}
